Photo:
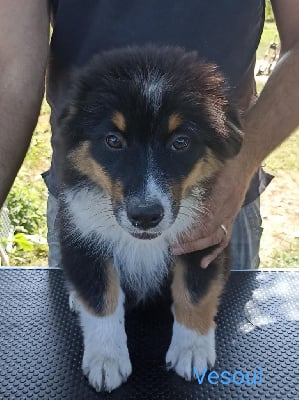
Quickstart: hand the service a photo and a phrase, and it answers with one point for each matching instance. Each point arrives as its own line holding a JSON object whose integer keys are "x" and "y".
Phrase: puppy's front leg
{"x": 100, "y": 303}
{"x": 196, "y": 295}
{"x": 106, "y": 360}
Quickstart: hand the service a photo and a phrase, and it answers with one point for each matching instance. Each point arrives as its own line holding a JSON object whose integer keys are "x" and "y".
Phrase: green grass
{"x": 287, "y": 258}
{"x": 28, "y": 196}
{"x": 39, "y": 154}
{"x": 285, "y": 157}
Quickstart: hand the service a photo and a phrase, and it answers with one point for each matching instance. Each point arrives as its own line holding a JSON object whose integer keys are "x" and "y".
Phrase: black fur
{"x": 146, "y": 85}
{"x": 85, "y": 270}
{"x": 197, "y": 279}
{"x": 114, "y": 81}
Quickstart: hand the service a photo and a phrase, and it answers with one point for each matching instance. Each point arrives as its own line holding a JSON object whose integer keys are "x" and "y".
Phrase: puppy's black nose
{"x": 145, "y": 216}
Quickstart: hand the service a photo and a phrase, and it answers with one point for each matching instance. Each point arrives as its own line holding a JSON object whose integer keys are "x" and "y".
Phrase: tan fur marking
{"x": 119, "y": 121}
{"x": 174, "y": 122}
{"x": 83, "y": 162}
{"x": 203, "y": 169}
{"x": 196, "y": 316}
{"x": 111, "y": 294}
{"x": 176, "y": 190}
{"x": 118, "y": 192}
{"x": 86, "y": 165}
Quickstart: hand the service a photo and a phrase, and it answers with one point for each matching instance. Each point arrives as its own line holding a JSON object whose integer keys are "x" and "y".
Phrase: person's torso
{"x": 223, "y": 32}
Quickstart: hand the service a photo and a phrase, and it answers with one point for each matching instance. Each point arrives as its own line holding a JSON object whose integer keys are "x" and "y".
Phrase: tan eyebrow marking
{"x": 119, "y": 121}
{"x": 174, "y": 122}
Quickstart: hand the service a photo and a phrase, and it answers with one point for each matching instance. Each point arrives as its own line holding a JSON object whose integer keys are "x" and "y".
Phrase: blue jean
{"x": 245, "y": 241}
{"x": 246, "y": 237}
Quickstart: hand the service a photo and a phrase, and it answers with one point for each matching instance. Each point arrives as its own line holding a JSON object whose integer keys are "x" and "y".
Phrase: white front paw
{"x": 106, "y": 372}
{"x": 106, "y": 362}
{"x": 188, "y": 349}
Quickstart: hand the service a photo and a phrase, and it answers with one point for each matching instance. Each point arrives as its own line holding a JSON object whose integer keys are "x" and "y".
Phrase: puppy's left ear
{"x": 234, "y": 130}
{"x": 227, "y": 138}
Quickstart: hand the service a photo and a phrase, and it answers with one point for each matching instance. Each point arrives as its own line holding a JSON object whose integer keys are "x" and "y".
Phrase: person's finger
{"x": 206, "y": 261}
{"x": 199, "y": 244}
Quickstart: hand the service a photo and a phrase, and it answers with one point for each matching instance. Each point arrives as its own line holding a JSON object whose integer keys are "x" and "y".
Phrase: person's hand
{"x": 215, "y": 223}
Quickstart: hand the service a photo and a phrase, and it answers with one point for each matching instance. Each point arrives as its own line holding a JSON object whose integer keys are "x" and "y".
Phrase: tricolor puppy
{"x": 145, "y": 132}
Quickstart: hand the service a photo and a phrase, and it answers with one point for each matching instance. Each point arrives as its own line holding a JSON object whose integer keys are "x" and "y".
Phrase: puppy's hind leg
{"x": 196, "y": 295}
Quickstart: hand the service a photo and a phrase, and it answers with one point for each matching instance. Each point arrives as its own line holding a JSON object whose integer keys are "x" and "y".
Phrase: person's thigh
{"x": 245, "y": 242}
{"x": 246, "y": 236}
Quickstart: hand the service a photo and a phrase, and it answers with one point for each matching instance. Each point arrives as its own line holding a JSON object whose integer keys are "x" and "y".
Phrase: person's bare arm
{"x": 276, "y": 115}
{"x": 24, "y": 42}
{"x": 271, "y": 120}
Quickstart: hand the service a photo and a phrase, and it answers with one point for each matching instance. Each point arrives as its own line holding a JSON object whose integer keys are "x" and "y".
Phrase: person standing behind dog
{"x": 226, "y": 33}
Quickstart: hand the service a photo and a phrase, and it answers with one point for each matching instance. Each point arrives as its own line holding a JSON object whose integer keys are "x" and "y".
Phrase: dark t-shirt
{"x": 224, "y": 32}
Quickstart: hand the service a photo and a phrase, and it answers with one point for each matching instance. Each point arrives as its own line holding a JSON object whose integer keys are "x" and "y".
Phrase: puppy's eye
{"x": 180, "y": 143}
{"x": 114, "y": 142}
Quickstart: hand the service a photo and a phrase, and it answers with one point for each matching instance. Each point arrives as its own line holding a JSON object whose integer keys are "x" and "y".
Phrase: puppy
{"x": 145, "y": 132}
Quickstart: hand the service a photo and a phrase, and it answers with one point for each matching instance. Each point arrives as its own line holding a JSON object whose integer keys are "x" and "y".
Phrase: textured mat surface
{"x": 41, "y": 343}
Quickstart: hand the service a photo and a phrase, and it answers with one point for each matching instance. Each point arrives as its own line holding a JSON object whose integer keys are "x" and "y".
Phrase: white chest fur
{"x": 142, "y": 264}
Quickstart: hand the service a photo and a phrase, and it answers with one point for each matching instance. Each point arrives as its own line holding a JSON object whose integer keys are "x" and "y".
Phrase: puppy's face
{"x": 150, "y": 129}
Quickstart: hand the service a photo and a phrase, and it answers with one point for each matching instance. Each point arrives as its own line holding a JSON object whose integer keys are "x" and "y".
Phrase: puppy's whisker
{"x": 186, "y": 215}
{"x": 198, "y": 210}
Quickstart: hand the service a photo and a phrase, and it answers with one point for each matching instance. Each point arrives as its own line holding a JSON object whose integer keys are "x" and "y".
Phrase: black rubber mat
{"x": 41, "y": 343}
